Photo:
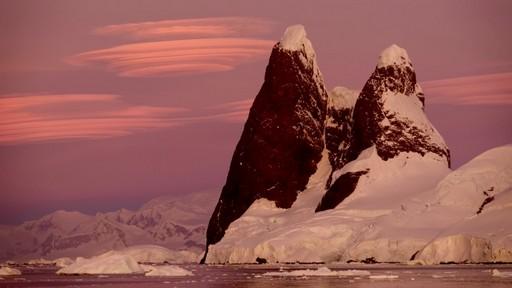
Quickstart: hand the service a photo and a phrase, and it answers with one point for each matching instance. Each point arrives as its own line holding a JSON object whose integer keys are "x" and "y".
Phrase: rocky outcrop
{"x": 339, "y": 190}
{"x": 338, "y": 130}
{"x": 283, "y": 138}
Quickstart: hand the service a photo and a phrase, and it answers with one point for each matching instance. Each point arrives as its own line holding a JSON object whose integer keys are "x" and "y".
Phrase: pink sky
{"x": 107, "y": 104}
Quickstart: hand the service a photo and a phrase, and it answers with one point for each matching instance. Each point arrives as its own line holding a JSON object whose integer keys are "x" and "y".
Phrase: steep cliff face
{"x": 338, "y": 130}
{"x": 389, "y": 111}
{"x": 283, "y": 138}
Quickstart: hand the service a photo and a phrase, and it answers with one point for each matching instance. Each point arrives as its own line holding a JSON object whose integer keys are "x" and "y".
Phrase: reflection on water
{"x": 250, "y": 276}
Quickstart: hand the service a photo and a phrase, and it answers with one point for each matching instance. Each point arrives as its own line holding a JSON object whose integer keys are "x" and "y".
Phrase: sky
{"x": 108, "y": 104}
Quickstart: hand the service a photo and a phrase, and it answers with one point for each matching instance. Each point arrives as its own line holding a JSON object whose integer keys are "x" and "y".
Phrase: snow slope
{"x": 480, "y": 194}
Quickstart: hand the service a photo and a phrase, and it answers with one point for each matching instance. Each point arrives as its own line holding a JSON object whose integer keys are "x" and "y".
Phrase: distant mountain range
{"x": 174, "y": 223}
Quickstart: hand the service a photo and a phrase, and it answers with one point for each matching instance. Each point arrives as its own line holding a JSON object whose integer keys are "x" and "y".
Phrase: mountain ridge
{"x": 370, "y": 195}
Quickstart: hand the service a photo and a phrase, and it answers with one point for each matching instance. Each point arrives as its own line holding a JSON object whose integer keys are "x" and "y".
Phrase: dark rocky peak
{"x": 389, "y": 111}
{"x": 283, "y": 138}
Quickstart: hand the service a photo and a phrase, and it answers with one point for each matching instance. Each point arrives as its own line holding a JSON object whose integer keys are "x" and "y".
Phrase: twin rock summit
{"x": 327, "y": 176}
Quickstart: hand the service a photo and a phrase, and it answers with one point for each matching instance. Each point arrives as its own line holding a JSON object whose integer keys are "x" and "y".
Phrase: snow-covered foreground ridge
{"x": 398, "y": 216}
{"x": 382, "y": 189}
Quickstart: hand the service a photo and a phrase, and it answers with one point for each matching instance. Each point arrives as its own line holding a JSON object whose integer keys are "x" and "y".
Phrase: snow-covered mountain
{"x": 174, "y": 223}
{"x": 381, "y": 188}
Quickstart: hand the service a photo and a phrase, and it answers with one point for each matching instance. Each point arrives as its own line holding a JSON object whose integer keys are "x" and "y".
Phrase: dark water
{"x": 251, "y": 276}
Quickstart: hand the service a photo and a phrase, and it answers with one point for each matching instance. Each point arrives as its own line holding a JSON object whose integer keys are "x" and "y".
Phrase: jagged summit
{"x": 293, "y": 37}
{"x": 394, "y": 55}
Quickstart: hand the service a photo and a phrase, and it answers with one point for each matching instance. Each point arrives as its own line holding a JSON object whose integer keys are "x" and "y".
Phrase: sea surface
{"x": 252, "y": 276}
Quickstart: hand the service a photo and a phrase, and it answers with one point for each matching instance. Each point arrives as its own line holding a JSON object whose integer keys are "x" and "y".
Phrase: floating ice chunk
{"x": 107, "y": 263}
{"x": 8, "y": 271}
{"x": 322, "y": 271}
{"x": 498, "y": 273}
{"x": 384, "y": 276}
{"x": 166, "y": 270}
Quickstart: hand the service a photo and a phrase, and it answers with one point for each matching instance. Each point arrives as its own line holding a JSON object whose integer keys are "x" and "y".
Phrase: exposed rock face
{"x": 389, "y": 111}
{"x": 283, "y": 138}
{"x": 340, "y": 189}
{"x": 338, "y": 130}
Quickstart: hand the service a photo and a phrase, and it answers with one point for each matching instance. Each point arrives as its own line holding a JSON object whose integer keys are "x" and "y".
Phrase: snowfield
{"x": 403, "y": 209}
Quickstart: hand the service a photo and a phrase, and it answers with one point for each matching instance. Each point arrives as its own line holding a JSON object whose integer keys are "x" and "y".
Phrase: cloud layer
{"x": 491, "y": 89}
{"x": 190, "y": 28}
{"x": 186, "y": 46}
{"x": 177, "y": 56}
{"x": 52, "y": 117}
{"x": 236, "y": 111}
{"x": 46, "y": 117}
